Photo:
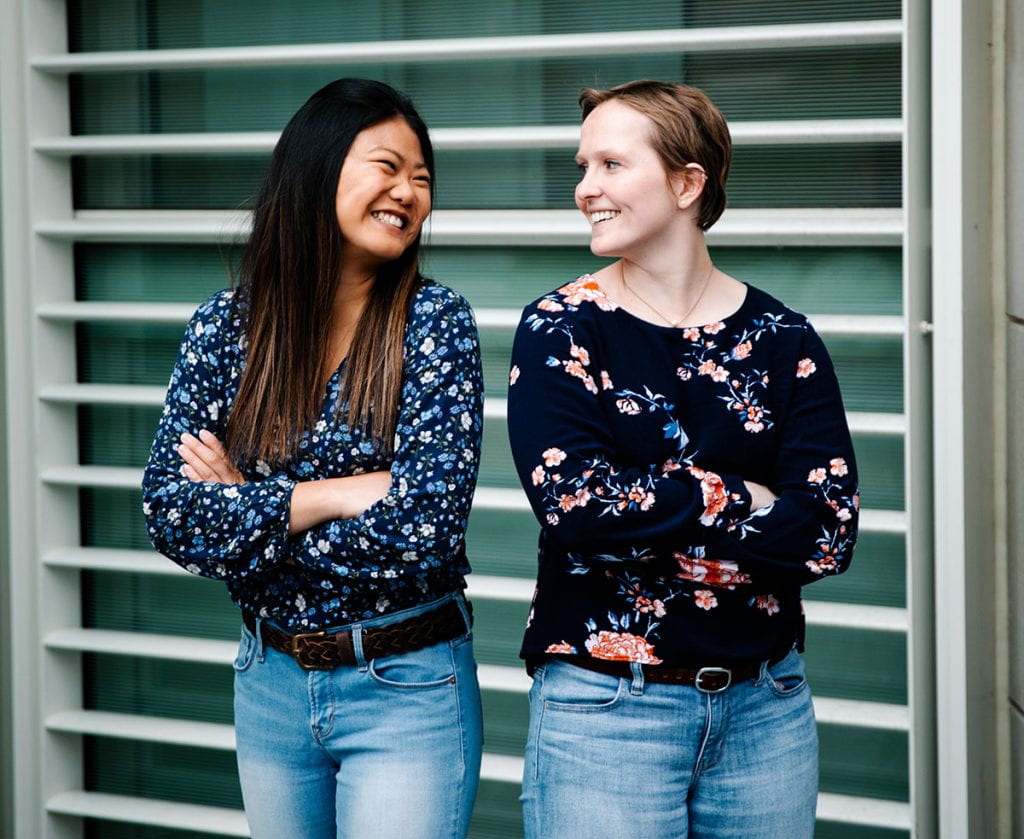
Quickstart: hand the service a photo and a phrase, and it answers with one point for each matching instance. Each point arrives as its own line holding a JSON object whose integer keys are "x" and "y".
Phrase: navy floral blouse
{"x": 405, "y": 550}
{"x": 632, "y": 441}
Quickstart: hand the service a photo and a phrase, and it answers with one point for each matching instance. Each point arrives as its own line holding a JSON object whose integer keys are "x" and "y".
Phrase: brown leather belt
{"x": 705, "y": 679}
{"x": 325, "y": 651}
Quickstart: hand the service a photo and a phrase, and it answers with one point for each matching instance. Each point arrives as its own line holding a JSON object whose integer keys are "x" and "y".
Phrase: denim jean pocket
{"x": 429, "y": 667}
{"x": 567, "y": 687}
{"x": 246, "y": 651}
{"x": 787, "y": 677}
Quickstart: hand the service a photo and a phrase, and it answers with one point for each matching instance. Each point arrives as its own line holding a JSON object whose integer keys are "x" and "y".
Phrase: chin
{"x": 603, "y": 249}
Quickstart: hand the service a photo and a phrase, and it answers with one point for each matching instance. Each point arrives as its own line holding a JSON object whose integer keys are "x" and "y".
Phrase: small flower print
{"x": 606, "y": 381}
{"x": 553, "y": 457}
{"x": 691, "y": 333}
{"x": 684, "y": 374}
{"x": 742, "y": 350}
{"x": 754, "y": 416}
{"x": 816, "y": 476}
{"x": 580, "y": 353}
{"x": 720, "y": 374}
{"x": 552, "y": 519}
{"x": 767, "y": 603}
{"x": 567, "y": 502}
{"x": 563, "y": 648}
{"x": 627, "y": 406}
{"x": 621, "y": 646}
{"x": 707, "y": 368}
{"x": 647, "y": 605}
{"x": 537, "y": 476}
{"x": 837, "y": 466}
{"x": 705, "y": 598}
{"x": 546, "y": 305}
{"x": 805, "y": 367}
{"x": 714, "y": 328}
{"x": 637, "y": 496}
{"x": 582, "y": 497}
{"x": 513, "y": 376}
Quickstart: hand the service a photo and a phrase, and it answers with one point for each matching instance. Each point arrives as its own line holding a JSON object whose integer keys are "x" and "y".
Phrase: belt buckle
{"x": 297, "y": 654}
{"x": 707, "y": 671}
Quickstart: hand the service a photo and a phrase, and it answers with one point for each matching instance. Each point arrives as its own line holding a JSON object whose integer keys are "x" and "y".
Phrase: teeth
{"x": 390, "y": 218}
{"x": 603, "y": 215}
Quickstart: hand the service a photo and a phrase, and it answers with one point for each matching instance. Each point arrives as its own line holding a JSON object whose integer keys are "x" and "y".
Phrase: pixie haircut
{"x": 688, "y": 128}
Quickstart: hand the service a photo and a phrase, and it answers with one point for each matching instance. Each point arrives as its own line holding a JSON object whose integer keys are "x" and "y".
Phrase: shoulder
{"x": 434, "y": 301}
{"x": 219, "y": 316}
{"x": 762, "y": 313}
{"x": 441, "y": 317}
{"x": 578, "y": 303}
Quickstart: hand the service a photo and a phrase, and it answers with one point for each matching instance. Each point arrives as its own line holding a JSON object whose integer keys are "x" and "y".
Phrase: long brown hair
{"x": 289, "y": 274}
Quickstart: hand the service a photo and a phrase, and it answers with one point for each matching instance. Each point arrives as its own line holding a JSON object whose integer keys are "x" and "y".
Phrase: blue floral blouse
{"x": 632, "y": 441}
{"x": 405, "y": 550}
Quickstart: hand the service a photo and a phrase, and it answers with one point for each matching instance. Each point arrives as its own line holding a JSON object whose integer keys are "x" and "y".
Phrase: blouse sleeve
{"x": 423, "y": 517}
{"x": 580, "y": 489}
{"x": 810, "y": 530}
{"x": 212, "y": 529}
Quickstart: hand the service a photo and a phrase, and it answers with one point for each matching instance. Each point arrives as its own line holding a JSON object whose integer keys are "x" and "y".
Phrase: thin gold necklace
{"x": 673, "y": 323}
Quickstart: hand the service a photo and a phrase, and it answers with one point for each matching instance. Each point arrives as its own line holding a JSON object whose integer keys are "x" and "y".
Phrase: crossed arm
{"x": 312, "y": 502}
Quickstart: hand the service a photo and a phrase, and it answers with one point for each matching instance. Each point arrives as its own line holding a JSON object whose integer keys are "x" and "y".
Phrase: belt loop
{"x": 261, "y": 652}
{"x": 464, "y": 607}
{"x": 636, "y": 688}
{"x": 357, "y": 647}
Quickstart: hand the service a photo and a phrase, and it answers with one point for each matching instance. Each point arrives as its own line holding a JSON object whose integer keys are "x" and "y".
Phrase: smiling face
{"x": 383, "y": 194}
{"x": 627, "y": 196}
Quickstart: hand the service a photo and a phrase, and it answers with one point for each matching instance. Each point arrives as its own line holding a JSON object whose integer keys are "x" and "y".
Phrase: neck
{"x": 679, "y": 275}
{"x": 353, "y": 290}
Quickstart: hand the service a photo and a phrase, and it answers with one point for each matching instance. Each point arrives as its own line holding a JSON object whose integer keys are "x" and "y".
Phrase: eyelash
{"x": 608, "y": 164}
{"x": 393, "y": 168}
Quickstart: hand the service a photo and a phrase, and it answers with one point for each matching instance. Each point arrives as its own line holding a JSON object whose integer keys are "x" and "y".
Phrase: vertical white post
{"x": 917, "y": 375}
{"x": 966, "y": 560}
{"x": 37, "y": 270}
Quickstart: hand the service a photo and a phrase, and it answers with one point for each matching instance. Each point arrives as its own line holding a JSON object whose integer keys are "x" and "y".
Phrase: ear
{"x": 689, "y": 184}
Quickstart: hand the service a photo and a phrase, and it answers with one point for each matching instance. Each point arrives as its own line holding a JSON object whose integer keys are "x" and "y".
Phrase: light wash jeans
{"x": 608, "y": 758}
{"x": 389, "y": 748}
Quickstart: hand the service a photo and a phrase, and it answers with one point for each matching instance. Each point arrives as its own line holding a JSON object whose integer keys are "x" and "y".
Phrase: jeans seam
{"x": 462, "y": 739}
{"x": 705, "y": 737}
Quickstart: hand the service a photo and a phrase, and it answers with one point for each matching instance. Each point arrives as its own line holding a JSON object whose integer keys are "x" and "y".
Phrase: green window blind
{"x": 164, "y": 149}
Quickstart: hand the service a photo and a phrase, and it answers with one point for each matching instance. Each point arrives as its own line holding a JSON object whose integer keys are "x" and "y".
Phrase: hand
{"x": 206, "y": 460}
{"x": 760, "y": 495}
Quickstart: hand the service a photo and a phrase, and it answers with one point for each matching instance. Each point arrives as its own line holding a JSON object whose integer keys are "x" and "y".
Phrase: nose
{"x": 587, "y": 189}
{"x": 402, "y": 191}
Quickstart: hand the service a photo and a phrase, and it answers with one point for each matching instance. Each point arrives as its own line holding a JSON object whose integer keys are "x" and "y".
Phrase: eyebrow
{"x": 401, "y": 157}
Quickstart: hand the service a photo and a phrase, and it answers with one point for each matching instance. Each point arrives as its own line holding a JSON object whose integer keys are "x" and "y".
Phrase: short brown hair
{"x": 688, "y": 128}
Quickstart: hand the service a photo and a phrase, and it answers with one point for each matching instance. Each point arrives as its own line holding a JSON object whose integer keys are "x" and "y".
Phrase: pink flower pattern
{"x": 647, "y": 590}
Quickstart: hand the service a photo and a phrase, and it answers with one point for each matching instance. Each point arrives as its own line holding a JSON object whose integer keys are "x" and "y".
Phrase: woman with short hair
{"x": 682, "y": 440}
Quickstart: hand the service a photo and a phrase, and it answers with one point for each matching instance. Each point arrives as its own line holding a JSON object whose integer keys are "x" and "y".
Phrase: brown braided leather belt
{"x": 325, "y": 651}
{"x": 705, "y": 679}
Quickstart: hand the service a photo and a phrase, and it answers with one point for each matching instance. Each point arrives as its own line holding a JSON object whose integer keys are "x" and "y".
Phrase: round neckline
{"x": 673, "y": 329}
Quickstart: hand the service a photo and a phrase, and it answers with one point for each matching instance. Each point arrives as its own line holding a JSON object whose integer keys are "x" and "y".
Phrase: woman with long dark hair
{"x": 318, "y": 452}
{"x": 682, "y": 440}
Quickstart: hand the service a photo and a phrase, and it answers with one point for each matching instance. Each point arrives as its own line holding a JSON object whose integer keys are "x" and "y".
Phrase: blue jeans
{"x": 388, "y": 748}
{"x": 611, "y": 757}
